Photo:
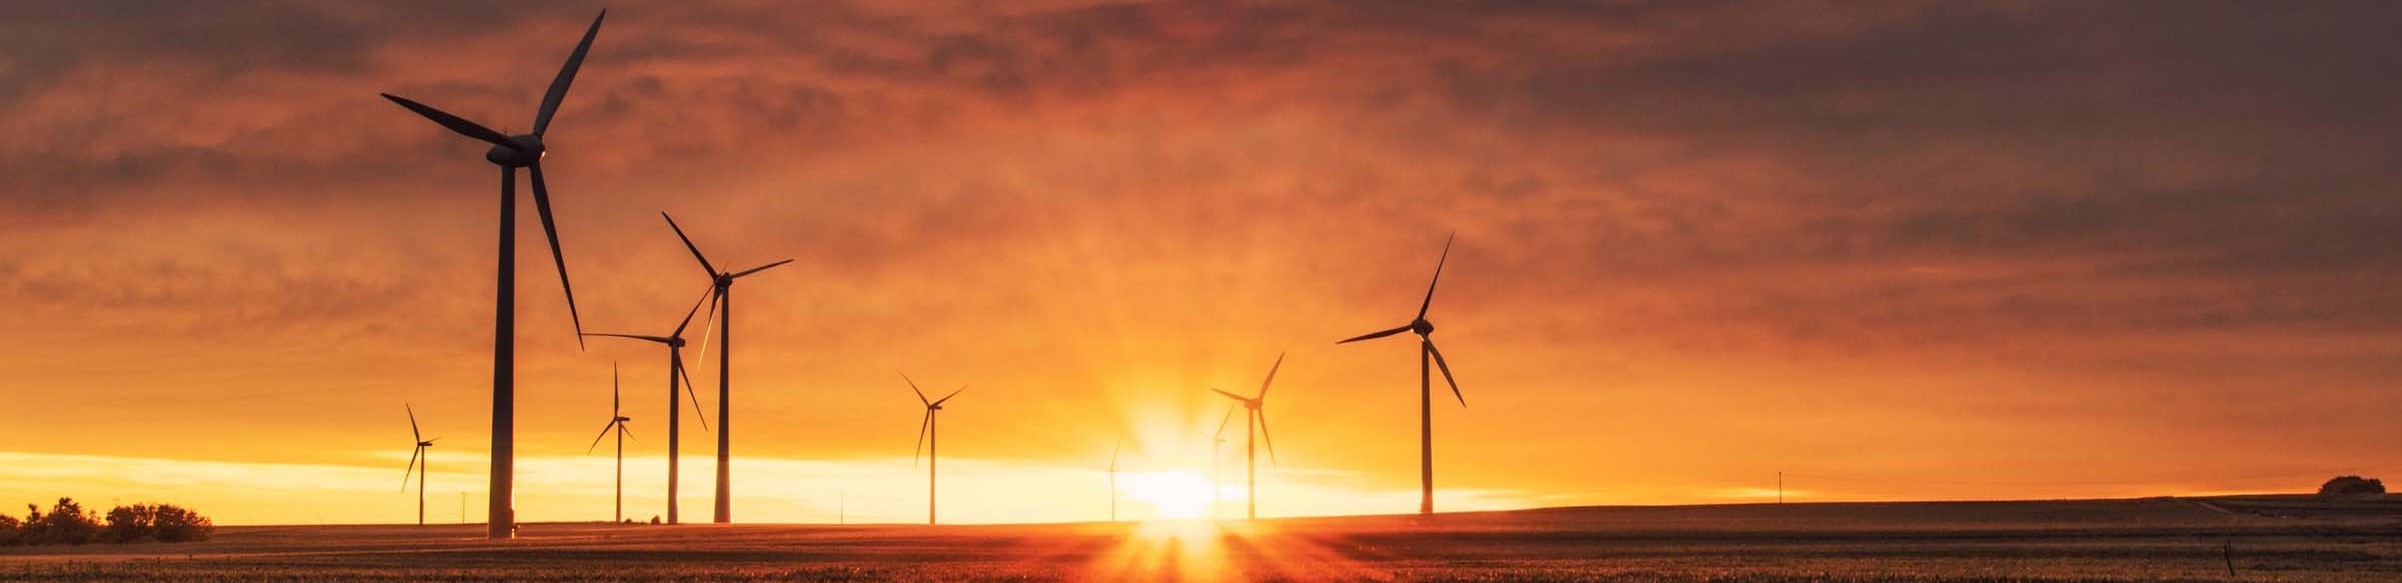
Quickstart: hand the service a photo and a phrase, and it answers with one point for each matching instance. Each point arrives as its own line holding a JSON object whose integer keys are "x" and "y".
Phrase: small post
{"x": 2227, "y": 553}
{"x": 1780, "y": 486}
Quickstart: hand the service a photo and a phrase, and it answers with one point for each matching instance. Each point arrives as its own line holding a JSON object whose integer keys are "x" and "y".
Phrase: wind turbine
{"x": 510, "y": 153}
{"x": 1258, "y": 416}
{"x": 418, "y": 458}
{"x": 617, "y": 422}
{"x": 675, "y": 371}
{"x": 926, "y": 436}
{"x": 722, "y": 303}
{"x": 1426, "y": 349}
{"x": 1217, "y": 441}
{"x": 1113, "y": 478}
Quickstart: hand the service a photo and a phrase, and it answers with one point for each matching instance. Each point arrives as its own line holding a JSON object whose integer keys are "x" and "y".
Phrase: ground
{"x": 2159, "y": 539}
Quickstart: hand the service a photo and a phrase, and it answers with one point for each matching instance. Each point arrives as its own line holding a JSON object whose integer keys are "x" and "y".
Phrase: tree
{"x": 130, "y": 523}
{"x": 2352, "y": 486}
{"x": 8, "y": 530}
{"x": 67, "y": 523}
{"x": 175, "y": 524}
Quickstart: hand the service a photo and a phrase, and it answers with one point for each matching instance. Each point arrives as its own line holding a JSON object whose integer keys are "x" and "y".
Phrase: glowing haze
{"x": 1906, "y": 250}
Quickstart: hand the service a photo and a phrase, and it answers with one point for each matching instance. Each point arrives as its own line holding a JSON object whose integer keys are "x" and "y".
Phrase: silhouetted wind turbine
{"x": 721, "y": 302}
{"x": 1113, "y": 478}
{"x": 927, "y": 437}
{"x": 418, "y": 458}
{"x": 1217, "y": 441}
{"x": 617, "y": 422}
{"x": 675, "y": 371}
{"x": 1259, "y": 416}
{"x": 1426, "y": 349}
{"x": 510, "y": 153}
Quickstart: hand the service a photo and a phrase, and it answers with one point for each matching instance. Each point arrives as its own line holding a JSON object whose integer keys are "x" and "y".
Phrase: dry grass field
{"x": 2263, "y": 538}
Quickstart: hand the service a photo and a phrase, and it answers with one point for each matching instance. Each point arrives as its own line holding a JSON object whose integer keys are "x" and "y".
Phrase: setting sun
{"x": 1175, "y": 494}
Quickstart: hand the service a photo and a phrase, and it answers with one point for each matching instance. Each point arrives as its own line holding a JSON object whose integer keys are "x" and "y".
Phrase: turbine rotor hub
{"x": 1422, "y": 327}
{"x": 521, "y": 151}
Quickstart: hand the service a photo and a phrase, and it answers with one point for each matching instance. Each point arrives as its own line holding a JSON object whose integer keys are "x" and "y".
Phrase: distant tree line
{"x": 68, "y": 523}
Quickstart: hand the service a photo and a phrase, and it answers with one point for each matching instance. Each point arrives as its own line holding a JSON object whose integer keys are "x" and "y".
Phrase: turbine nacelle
{"x": 1421, "y": 326}
{"x": 521, "y": 150}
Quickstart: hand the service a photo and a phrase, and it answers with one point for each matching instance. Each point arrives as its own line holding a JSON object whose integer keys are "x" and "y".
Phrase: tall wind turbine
{"x": 675, "y": 372}
{"x": 1256, "y": 417}
{"x": 926, "y": 436}
{"x": 617, "y": 422}
{"x": 721, "y": 302}
{"x": 510, "y": 153}
{"x": 418, "y": 458}
{"x": 1113, "y": 478}
{"x": 1426, "y": 349}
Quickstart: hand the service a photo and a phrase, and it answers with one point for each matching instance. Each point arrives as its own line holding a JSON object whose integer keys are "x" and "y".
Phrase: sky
{"x": 1895, "y": 250}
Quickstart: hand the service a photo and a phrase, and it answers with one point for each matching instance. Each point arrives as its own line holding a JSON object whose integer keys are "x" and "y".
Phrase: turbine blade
{"x": 1263, "y": 385}
{"x": 412, "y": 468}
{"x": 628, "y": 431}
{"x": 921, "y": 395}
{"x": 708, "y": 325}
{"x": 707, "y": 294}
{"x": 1113, "y": 454}
{"x": 948, "y": 397}
{"x": 1374, "y": 335}
{"x": 551, "y": 229}
{"x": 1455, "y": 385}
{"x": 603, "y": 435}
{"x": 1221, "y": 434}
{"x": 616, "y": 401}
{"x": 696, "y": 250}
{"x": 658, "y": 339}
{"x": 414, "y": 436}
{"x": 1230, "y": 395}
{"x": 1269, "y": 439}
{"x": 921, "y": 436}
{"x": 761, "y": 268}
{"x": 558, "y": 86}
{"x": 1430, "y": 284}
{"x": 455, "y": 123}
{"x": 682, "y": 371}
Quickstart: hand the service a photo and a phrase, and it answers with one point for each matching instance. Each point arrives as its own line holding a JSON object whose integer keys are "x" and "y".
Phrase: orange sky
{"x": 1896, "y": 250}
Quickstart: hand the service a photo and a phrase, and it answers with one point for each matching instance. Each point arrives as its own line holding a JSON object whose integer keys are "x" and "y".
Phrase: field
{"x": 2160, "y": 539}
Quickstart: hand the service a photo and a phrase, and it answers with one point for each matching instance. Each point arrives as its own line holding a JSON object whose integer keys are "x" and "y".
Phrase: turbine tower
{"x": 1256, "y": 417}
{"x": 417, "y": 459}
{"x": 722, "y": 303}
{"x": 510, "y": 153}
{"x": 617, "y": 422}
{"x": 1217, "y": 488}
{"x": 675, "y": 371}
{"x": 1426, "y": 349}
{"x": 926, "y": 436}
{"x": 1113, "y": 478}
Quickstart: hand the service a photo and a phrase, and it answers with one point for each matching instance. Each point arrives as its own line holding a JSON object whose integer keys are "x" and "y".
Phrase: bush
{"x": 2351, "y": 486}
{"x": 174, "y": 524}
{"x": 67, "y": 523}
{"x": 8, "y": 530}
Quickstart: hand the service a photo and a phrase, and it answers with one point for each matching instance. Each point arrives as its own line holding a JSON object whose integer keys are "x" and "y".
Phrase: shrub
{"x": 175, "y": 524}
{"x": 8, "y": 530}
{"x": 129, "y": 523}
{"x": 2351, "y": 486}
{"x": 67, "y": 523}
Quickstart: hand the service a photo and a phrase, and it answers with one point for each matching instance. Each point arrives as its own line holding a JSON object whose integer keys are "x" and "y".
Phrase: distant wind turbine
{"x": 1217, "y": 441}
{"x": 675, "y": 372}
{"x": 1258, "y": 416}
{"x": 722, "y": 302}
{"x": 1426, "y": 349}
{"x": 927, "y": 436}
{"x": 510, "y": 153}
{"x": 1113, "y": 478}
{"x": 418, "y": 458}
{"x": 617, "y": 422}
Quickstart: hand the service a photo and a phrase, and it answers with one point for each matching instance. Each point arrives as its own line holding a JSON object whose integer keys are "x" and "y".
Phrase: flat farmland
{"x": 2159, "y": 539}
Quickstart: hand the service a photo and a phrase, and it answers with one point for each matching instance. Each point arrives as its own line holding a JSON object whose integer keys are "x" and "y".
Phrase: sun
{"x": 1176, "y": 494}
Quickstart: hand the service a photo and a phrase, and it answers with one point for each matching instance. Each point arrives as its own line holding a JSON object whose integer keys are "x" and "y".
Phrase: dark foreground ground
{"x": 2262, "y": 538}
